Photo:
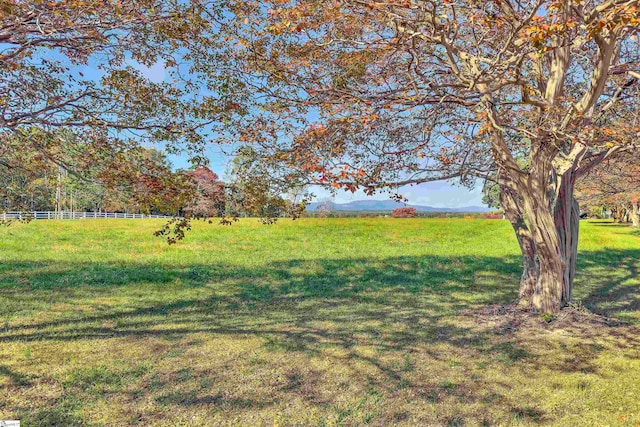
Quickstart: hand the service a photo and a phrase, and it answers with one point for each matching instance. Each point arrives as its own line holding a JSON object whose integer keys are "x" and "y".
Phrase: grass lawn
{"x": 319, "y": 322}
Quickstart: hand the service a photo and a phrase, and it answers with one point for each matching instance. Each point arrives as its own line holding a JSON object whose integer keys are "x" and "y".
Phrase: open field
{"x": 314, "y": 322}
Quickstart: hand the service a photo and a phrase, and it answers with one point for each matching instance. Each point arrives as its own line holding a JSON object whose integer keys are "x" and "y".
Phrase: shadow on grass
{"x": 281, "y": 301}
{"x": 293, "y": 292}
{"x": 608, "y": 283}
{"x": 397, "y": 306}
{"x": 59, "y": 415}
{"x": 17, "y": 378}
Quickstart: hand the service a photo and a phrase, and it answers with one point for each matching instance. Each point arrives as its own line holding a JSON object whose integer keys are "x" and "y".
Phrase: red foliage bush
{"x": 404, "y": 213}
{"x": 492, "y": 215}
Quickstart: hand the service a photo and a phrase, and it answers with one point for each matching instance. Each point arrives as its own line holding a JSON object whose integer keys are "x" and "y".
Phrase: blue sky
{"x": 436, "y": 194}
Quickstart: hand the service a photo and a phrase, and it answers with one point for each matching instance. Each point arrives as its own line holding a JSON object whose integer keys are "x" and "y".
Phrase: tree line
{"x": 613, "y": 190}
{"x": 137, "y": 180}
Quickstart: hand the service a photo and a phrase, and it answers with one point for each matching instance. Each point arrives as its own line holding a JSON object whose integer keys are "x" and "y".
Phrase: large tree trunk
{"x": 513, "y": 211}
{"x": 554, "y": 230}
{"x": 635, "y": 217}
{"x": 567, "y": 219}
{"x": 547, "y": 295}
{"x": 553, "y": 219}
{"x": 548, "y": 238}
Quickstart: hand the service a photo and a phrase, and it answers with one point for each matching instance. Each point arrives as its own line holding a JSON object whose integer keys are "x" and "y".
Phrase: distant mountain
{"x": 388, "y": 205}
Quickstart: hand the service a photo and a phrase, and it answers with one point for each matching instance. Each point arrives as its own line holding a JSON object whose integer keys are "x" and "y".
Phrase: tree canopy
{"x": 71, "y": 70}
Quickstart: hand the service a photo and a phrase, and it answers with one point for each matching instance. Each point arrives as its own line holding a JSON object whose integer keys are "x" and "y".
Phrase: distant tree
{"x": 256, "y": 191}
{"x": 210, "y": 194}
{"x": 405, "y": 212}
{"x": 614, "y": 185}
{"x": 491, "y": 193}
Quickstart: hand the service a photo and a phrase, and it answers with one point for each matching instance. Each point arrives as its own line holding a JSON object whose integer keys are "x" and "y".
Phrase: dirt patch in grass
{"x": 577, "y": 322}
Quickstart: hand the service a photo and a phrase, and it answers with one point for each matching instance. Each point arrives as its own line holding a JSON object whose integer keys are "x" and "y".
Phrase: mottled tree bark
{"x": 553, "y": 228}
{"x": 635, "y": 217}
{"x": 614, "y": 214}
{"x": 567, "y": 219}
{"x": 513, "y": 212}
{"x": 547, "y": 295}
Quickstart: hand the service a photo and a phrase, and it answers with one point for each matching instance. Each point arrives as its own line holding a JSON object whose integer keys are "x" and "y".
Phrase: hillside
{"x": 389, "y": 205}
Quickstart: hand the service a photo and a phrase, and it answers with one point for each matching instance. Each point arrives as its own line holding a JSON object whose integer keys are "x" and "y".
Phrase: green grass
{"x": 315, "y": 322}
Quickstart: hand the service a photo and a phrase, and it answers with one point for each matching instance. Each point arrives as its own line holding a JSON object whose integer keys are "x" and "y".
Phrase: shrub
{"x": 492, "y": 215}
{"x": 404, "y": 213}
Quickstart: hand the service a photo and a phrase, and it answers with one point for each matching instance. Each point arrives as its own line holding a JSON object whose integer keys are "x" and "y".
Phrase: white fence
{"x": 75, "y": 215}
